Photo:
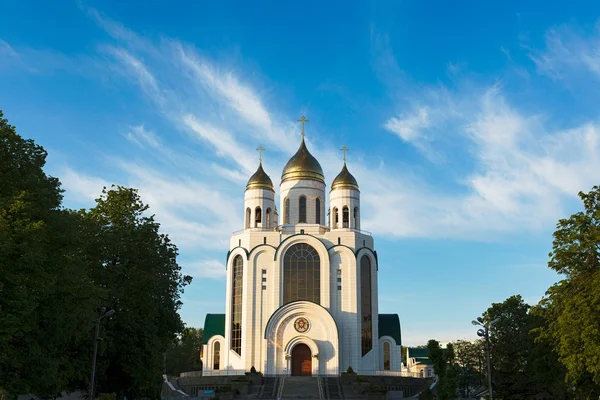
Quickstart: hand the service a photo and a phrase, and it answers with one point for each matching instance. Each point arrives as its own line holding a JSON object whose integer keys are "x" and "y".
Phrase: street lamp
{"x": 107, "y": 314}
{"x": 485, "y": 333}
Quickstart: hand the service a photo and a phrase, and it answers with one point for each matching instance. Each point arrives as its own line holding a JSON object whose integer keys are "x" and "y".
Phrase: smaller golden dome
{"x": 260, "y": 180}
{"x": 303, "y": 165}
{"x": 344, "y": 180}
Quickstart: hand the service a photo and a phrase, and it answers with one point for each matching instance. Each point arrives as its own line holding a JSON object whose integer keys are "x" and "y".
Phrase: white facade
{"x": 300, "y": 311}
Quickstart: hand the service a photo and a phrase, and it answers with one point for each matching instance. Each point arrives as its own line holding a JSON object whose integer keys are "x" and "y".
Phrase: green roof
{"x": 422, "y": 360}
{"x": 389, "y": 325}
{"x": 417, "y": 352}
{"x": 214, "y": 324}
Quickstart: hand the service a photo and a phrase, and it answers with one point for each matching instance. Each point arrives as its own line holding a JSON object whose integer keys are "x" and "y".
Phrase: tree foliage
{"x": 184, "y": 353}
{"x": 47, "y": 300}
{"x": 137, "y": 267}
{"x": 521, "y": 366}
{"x": 59, "y": 267}
{"x": 572, "y": 306}
{"x": 444, "y": 366}
{"x": 470, "y": 359}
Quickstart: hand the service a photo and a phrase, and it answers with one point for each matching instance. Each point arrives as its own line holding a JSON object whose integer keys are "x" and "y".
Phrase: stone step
{"x": 300, "y": 387}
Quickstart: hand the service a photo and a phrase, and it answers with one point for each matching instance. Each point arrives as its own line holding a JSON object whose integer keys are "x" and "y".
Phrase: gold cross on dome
{"x": 260, "y": 150}
{"x": 344, "y": 149}
{"x": 303, "y": 120}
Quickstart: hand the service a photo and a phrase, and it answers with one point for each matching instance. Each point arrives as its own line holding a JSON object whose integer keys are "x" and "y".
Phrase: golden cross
{"x": 260, "y": 150}
{"x": 303, "y": 120}
{"x": 344, "y": 149}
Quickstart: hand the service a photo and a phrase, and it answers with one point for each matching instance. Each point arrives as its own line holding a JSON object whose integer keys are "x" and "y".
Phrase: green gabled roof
{"x": 422, "y": 360}
{"x": 417, "y": 352}
{"x": 214, "y": 324}
{"x": 389, "y": 325}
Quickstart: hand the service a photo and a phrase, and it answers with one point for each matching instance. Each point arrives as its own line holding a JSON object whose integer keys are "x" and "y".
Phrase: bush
{"x": 223, "y": 388}
{"x": 253, "y": 370}
{"x": 350, "y": 370}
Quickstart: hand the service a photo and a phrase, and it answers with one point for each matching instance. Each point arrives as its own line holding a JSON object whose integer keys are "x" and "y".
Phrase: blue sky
{"x": 471, "y": 127}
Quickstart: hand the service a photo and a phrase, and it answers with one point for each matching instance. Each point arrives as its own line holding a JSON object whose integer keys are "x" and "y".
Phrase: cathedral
{"x": 301, "y": 295}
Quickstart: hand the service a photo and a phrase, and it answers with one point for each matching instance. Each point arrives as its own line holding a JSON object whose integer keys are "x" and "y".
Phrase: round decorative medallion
{"x": 301, "y": 325}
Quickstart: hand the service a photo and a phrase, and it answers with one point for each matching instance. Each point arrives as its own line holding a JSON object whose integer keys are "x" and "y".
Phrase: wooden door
{"x": 301, "y": 360}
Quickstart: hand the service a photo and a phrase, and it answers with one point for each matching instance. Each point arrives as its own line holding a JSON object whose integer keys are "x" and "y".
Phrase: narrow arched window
{"x": 318, "y": 211}
{"x": 335, "y": 217}
{"x": 302, "y": 209}
{"x": 366, "y": 324}
{"x": 257, "y": 217}
{"x": 216, "y": 355}
{"x": 268, "y": 218}
{"x": 386, "y": 356}
{"x": 286, "y": 211}
{"x": 356, "y": 219}
{"x": 236, "y": 304}
{"x": 248, "y": 216}
{"x": 345, "y": 217}
{"x": 301, "y": 274}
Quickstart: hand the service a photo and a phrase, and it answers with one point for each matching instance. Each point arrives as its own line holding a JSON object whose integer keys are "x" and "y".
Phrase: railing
{"x": 238, "y": 372}
{"x": 325, "y": 228}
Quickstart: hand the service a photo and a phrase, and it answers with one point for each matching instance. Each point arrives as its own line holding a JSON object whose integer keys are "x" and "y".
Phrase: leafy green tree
{"x": 572, "y": 306}
{"x": 184, "y": 354}
{"x": 445, "y": 368}
{"x": 46, "y": 297}
{"x": 521, "y": 367}
{"x": 470, "y": 359}
{"x": 137, "y": 267}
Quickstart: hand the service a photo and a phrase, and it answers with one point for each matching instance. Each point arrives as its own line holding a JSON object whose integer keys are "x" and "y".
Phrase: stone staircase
{"x": 269, "y": 388}
{"x": 332, "y": 388}
{"x": 300, "y": 387}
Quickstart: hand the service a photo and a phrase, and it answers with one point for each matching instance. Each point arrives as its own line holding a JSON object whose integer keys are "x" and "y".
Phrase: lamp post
{"x": 107, "y": 314}
{"x": 485, "y": 333}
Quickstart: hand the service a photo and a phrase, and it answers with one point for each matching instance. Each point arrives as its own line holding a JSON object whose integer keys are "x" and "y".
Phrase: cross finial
{"x": 260, "y": 150}
{"x": 303, "y": 120}
{"x": 344, "y": 149}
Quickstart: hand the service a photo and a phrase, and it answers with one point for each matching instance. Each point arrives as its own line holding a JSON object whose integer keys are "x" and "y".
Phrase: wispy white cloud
{"x": 410, "y": 128}
{"x": 142, "y": 137}
{"x": 211, "y": 269}
{"x": 568, "y": 51}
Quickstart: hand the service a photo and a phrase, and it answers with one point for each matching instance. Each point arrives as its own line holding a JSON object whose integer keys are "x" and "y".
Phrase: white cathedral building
{"x": 301, "y": 294}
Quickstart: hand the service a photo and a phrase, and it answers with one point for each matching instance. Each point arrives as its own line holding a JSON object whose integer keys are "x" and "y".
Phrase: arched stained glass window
{"x": 236, "y": 304}
{"x": 302, "y": 209}
{"x": 248, "y": 216}
{"x": 301, "y": 274}
{"x": 365, "y": 305}
{"x": 318, "y": 211}
{"x": 216, "y": 355}
{"x": 386, "y": 356}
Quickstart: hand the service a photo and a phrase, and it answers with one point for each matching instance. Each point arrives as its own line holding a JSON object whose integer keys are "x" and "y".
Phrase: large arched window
{"x": 248, "y": 216}
{"x": 257, "y": 217}
{"x": 345, "y": 217}
{"x": 286, "y": 211}
{"x": 365, "y": 305}
{"x": 302, "y": 209}
{"x": 268, "y": 218}
{"x": 236, "y": 304}
{"x": 356, "y": 219}
{"x": 318, "y": 211}
{"x": 216, "y": 355}
{"x": 301, "y": 274}
{"x": 386, "y": 356}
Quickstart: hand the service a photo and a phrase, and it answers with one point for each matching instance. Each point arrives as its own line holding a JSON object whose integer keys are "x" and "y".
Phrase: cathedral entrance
{"x": 301, "y": 360}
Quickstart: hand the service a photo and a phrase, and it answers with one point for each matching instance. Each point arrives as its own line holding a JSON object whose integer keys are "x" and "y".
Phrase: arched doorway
{"x": 301, "y": 360}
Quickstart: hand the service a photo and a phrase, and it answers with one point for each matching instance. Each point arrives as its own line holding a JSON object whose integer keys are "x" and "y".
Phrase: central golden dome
{"x": 303, "y": 165}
